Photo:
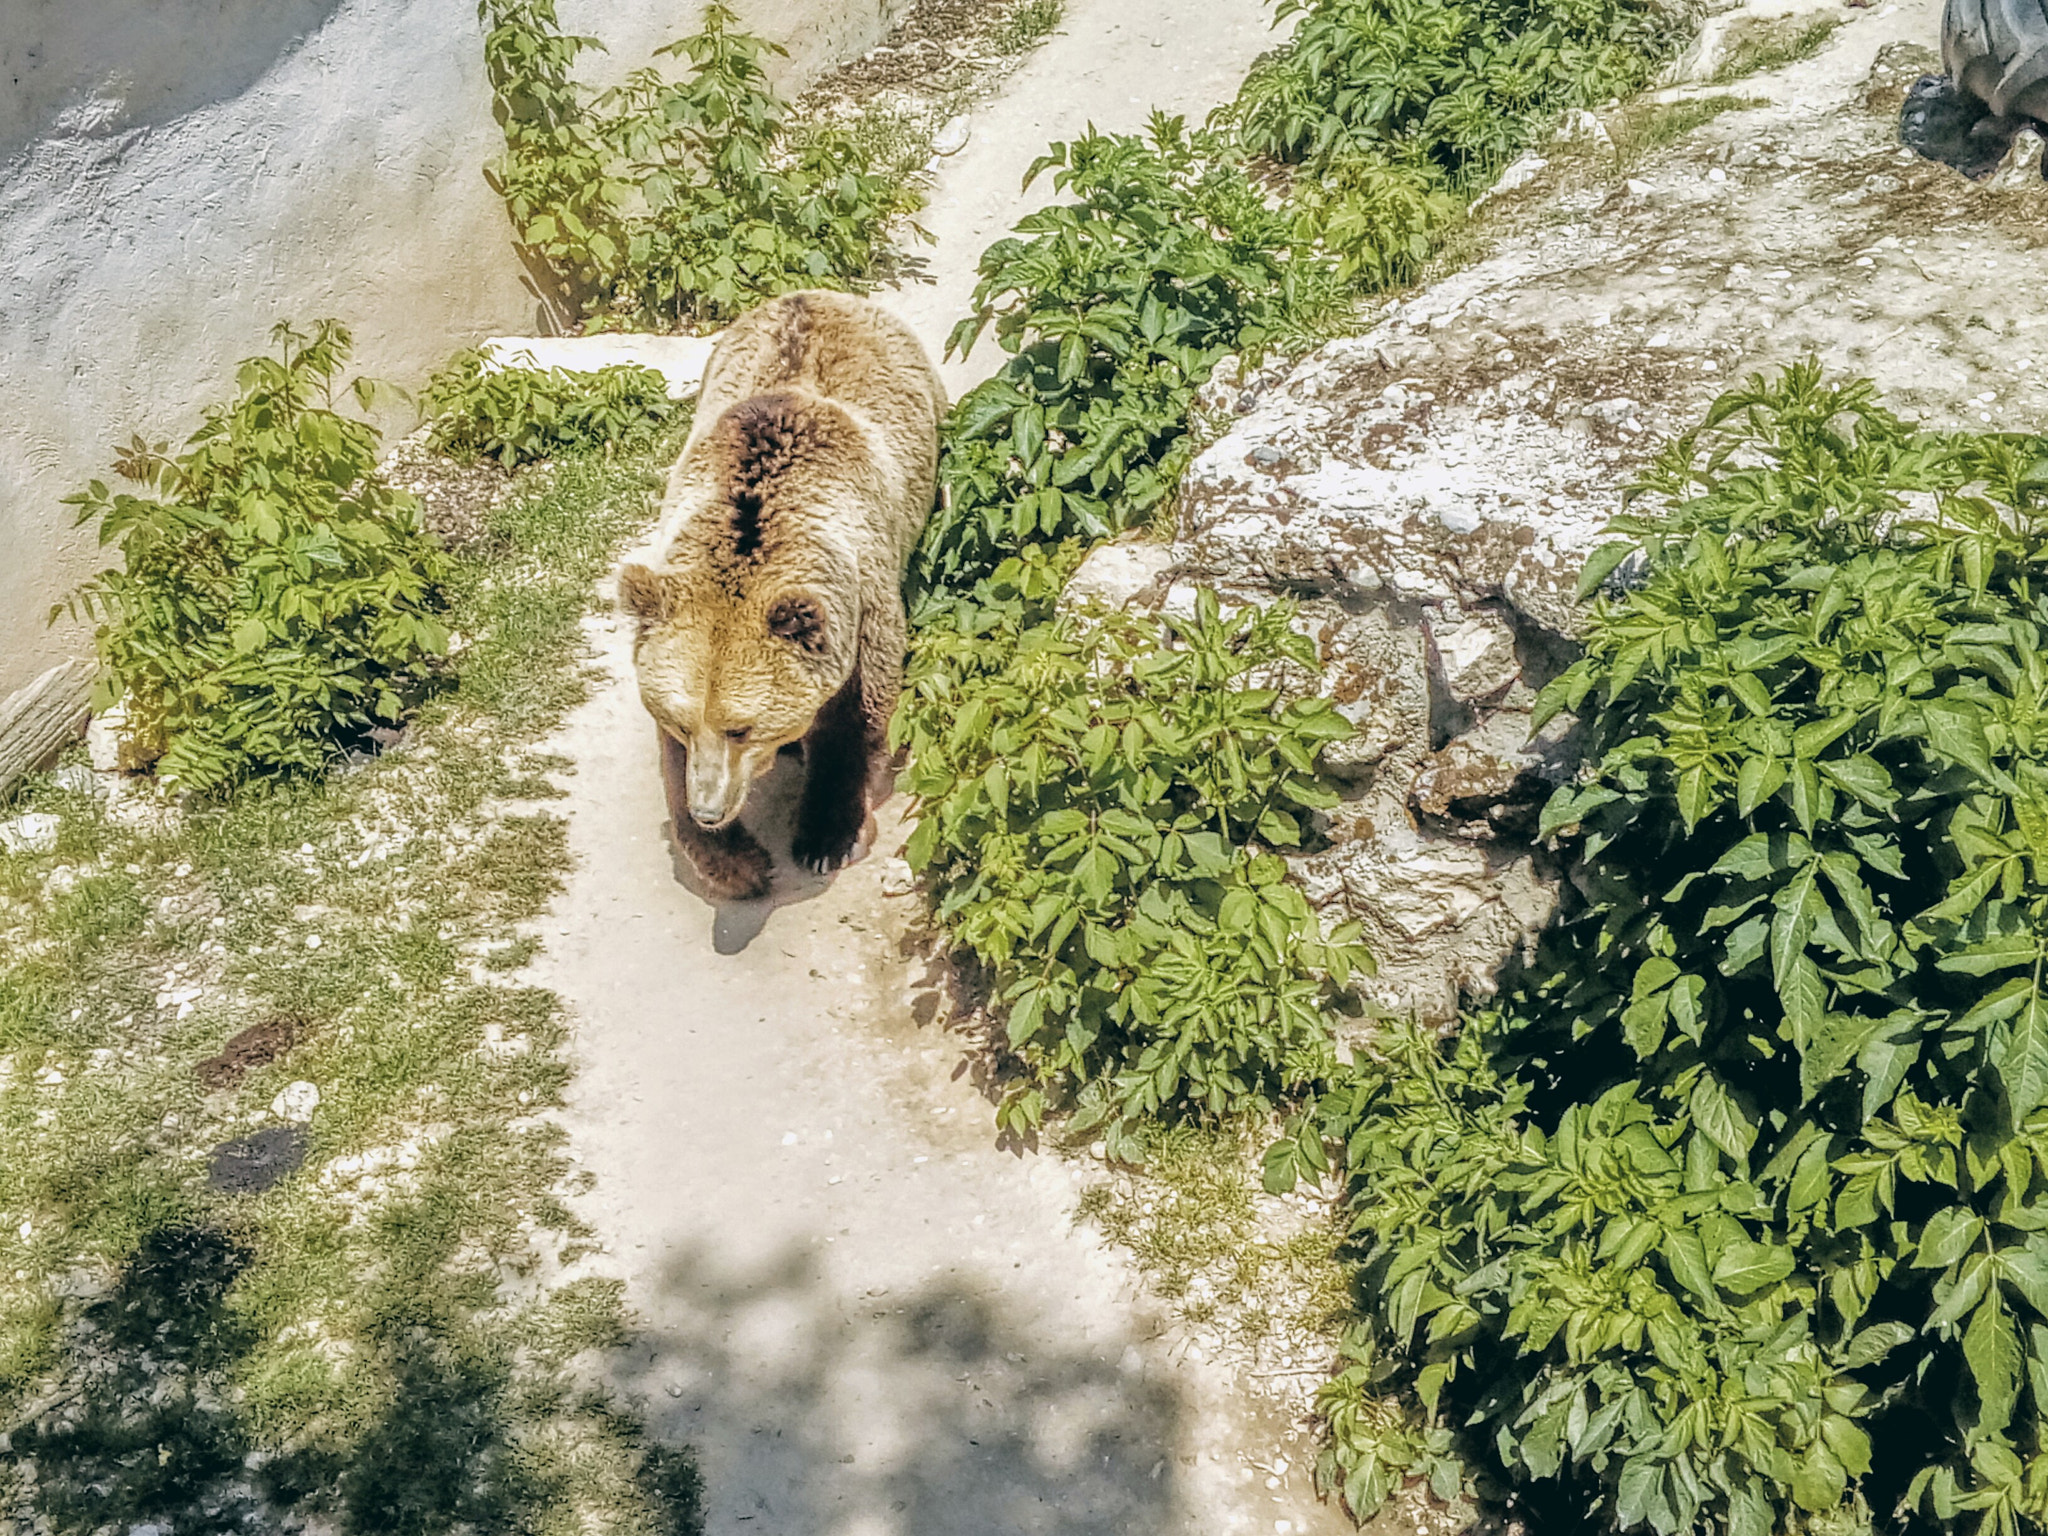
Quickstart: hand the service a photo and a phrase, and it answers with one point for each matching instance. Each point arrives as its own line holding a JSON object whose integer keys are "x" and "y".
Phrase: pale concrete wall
{"x": 177, "y": 175}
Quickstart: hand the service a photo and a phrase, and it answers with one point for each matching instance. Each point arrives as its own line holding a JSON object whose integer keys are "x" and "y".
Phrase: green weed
{"x": 275, "y": 599}
{"x": 1762, "y": 44}
{"x": 1191, "y": 1224}
{"x": 1026, "y": 26}
{"x": 517, "y": 415}
{"x": 1640, "y": 131}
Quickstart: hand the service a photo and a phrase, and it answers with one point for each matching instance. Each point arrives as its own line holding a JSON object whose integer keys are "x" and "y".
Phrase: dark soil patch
{"x": 257, "y": 1046}
{"x": 941, "y": 47}
{"x": 456, "y": 500}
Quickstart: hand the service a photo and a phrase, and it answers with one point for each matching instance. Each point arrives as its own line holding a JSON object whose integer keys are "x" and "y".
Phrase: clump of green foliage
{"x": 1114, "y": 307}
{"x": 1396, "y": 112}
{"x": 665, "y": 204}
{"x": 275, "y": 598}
{"x": 1730, "y": 1216}
{"x": 1447, "y": 92}
{"x": 1085, "y": 812}
{"x": 519, "y": 414}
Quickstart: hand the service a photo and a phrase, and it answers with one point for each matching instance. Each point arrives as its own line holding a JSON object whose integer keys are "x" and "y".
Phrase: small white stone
{"x": 35, "y": 832}
{"x": 952, "y": 138}
{"x": 789, "y": 1138}
{"x": 296, "y": 1102}
{"x": 1099, "y": 1150}
{"x": 1717, "y": 174}
{"x": 312, "y": 941}
{"x": 1638, "y": 188}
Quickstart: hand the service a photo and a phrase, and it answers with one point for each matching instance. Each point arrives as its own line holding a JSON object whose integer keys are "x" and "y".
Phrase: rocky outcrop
{"x": 1428, "y": 490}
{"x": 1431, "y": 523}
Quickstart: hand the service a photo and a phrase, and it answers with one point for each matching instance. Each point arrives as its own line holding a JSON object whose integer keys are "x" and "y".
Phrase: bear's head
{"x": 736, "y": 677}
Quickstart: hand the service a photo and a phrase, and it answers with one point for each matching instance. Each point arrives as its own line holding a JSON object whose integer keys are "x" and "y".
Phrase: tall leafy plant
{"x": 274, "y": 596}
{"x": 1084, "y": 814}
{"x": 1734, "y": 1214}
{"x": 1113, "y": 307}
{"x": 1445, "y": 90}
{"x": 665, "y": 204}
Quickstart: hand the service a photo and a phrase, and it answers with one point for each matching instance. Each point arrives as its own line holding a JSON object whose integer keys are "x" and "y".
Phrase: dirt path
{"x": 865, "y": 1317}
{"x": 1110, "y": 64}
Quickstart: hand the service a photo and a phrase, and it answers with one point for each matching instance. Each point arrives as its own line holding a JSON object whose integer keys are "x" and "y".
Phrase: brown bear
{"x": 770, "y": 602}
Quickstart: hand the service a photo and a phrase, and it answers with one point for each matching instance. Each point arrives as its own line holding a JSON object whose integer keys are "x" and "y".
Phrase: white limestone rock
{"x": 1119, "y": 575}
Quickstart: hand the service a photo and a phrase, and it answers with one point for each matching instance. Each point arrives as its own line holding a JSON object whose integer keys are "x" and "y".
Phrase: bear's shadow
{"x": 770, "y": 814}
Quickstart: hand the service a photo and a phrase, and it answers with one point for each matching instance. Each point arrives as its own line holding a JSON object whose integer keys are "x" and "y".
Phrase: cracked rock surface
{"x": 1428, "y": 490}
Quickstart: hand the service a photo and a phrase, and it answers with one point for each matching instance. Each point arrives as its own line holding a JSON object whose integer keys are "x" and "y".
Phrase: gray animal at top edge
{"x": 1996, "y": 55}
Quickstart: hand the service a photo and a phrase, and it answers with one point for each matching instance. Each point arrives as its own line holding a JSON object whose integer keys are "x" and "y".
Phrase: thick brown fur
{"x": 770, "y": 603}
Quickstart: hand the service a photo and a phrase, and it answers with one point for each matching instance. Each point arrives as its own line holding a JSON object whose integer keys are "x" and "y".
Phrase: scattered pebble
{"x": 34, "y": 832}
{"x": 296, "y": 1102}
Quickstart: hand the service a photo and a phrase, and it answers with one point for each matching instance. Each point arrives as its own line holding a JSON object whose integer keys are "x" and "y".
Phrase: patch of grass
{"x": 1267, "y": 1287}
{"x": 1761, "y": 44}
{"x": 1026, "y": 26}
{"x": 372, "y": 1338}
{"x": 1646, "y": 127}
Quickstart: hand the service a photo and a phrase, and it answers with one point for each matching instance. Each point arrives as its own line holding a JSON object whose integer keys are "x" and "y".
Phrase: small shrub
{"x": 516, "y": 415}
{"x": 275, "y": 598}
{"x": 1114, "y": 307}
{"x": 1730, "y": 1216}
{"x": 1085, "y": 814}
{"x": 1380, "y": 220}
{"x": 1455, "y": 87}
{"x": 667, "y": 204}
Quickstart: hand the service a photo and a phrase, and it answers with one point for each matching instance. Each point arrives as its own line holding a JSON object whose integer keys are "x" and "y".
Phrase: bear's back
{"x": 845, "y": 378}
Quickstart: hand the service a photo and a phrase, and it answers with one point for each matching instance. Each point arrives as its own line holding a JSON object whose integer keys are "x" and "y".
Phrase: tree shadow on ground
{"x": 148, "y": 1425}
{"x": 921, "y": 1412}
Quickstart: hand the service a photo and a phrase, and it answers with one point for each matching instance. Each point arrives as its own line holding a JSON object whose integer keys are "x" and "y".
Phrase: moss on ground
{"x": 391, "y": 1334}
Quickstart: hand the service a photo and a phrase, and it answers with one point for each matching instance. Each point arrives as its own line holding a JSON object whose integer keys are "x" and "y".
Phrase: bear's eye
{"x": 739, "y": 735}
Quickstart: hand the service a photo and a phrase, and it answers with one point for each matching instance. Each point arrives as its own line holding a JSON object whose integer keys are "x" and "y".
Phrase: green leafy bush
{"x": 1734, "y": 1214}
{"x": 1441, "y": 89}
{"x": 275, "y": 597}
{"x": 664, "y": 204}
{"x": 1084, "y": 815}
{"x": 1114, "y": 307}
{"x": 516, "y": 415}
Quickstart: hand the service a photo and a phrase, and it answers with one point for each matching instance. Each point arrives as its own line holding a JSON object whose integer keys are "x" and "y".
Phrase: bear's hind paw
{"x": 741, "y": 875}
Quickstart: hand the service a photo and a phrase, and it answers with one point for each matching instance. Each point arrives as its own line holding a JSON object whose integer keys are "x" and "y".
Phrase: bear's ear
{"x": 643, "y": 592}
{"x": 799, "y": 618}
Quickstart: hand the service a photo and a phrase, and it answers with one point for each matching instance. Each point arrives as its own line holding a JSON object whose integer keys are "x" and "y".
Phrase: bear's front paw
{"x": 743, "y": 873}
{"x": 824, "y": 849}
